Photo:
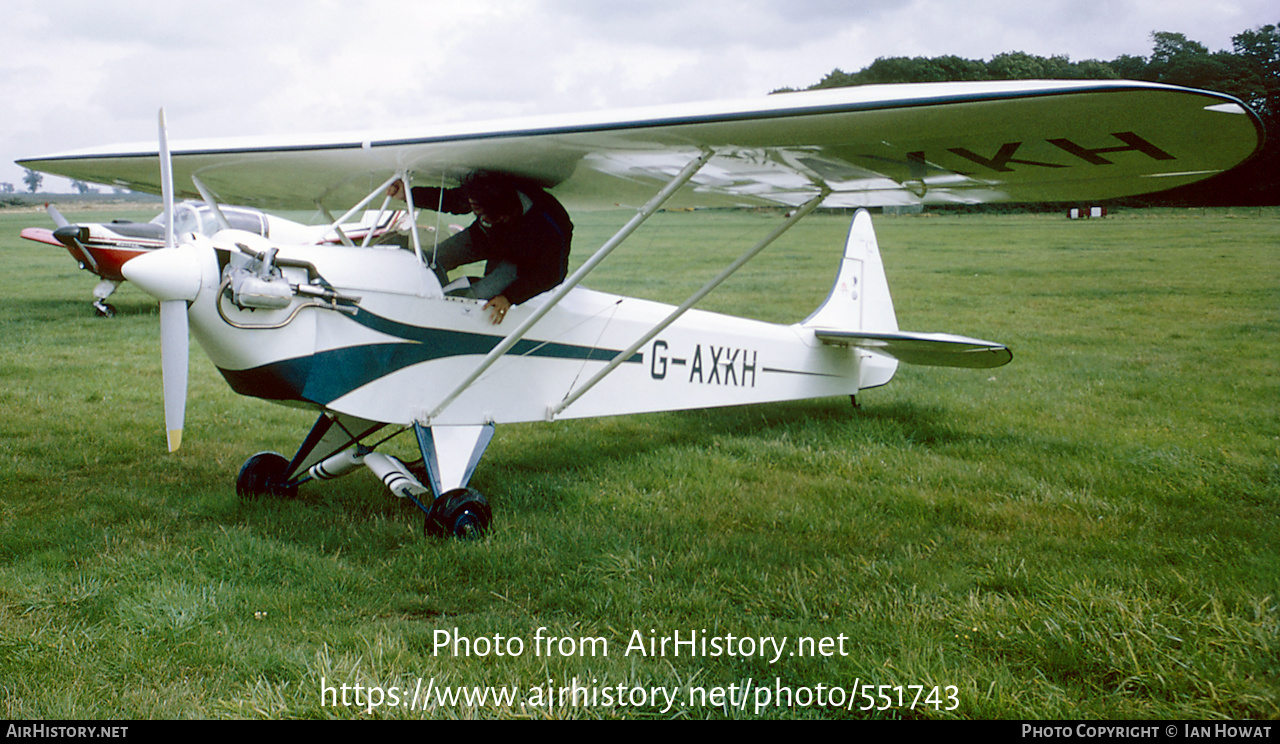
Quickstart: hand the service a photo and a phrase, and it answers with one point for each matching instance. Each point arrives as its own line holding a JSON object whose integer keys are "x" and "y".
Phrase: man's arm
{"x": 451, "y": 201}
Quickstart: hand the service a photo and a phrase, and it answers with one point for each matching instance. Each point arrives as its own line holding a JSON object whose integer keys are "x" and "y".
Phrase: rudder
{"x": 859, "y": 299}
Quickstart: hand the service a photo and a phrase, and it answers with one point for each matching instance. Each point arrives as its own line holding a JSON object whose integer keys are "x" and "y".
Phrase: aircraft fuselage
{"x": 394, "y": 354}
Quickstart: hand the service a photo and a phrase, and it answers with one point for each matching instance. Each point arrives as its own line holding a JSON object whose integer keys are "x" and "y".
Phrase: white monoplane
{"x": 368, "y": 337}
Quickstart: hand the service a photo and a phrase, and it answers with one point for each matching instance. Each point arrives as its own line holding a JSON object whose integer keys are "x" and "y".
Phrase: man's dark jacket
{"x": 536, "y": 242}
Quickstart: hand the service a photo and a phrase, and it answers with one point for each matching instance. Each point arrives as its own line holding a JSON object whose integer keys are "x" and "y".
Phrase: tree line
{"x": 1250, "y": 72}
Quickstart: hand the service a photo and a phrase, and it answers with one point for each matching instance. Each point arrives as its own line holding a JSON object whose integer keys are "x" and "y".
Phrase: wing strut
{"x": 213, "y": 203}
{"x": 337, "y": 229}
{"x": 365, "y": 201}
{"x": 696, "y": 297}
{"x": 413, "y": 217}
{"x": 645, "y": 213}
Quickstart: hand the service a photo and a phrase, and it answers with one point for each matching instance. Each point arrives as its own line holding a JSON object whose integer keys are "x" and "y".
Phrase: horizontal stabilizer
{"x": 932, "y": 349}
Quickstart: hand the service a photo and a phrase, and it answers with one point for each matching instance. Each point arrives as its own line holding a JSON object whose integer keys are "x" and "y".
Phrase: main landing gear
{"x": 449, "y": 457}
{"x": 462, "y": 512}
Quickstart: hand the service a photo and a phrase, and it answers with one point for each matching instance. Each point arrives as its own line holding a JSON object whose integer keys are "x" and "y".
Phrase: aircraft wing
{"x": 933, "y": 143}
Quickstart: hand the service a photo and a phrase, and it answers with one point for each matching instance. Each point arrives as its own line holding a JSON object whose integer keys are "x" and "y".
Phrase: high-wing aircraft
{"x": 103, "y": 248}
{"x": 368, "y": 337}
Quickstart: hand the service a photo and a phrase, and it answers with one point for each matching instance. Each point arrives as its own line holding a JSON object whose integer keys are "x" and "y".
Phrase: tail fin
{"x": 859, "y": 313}
{"x": 859, "y": 299}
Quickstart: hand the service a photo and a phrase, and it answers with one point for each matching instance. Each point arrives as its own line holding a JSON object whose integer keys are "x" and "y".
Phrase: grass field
{"x": 1090, "y": 532}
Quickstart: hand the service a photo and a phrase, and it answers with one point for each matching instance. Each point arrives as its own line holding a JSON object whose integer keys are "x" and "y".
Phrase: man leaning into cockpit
{"x": 520, "y": 230}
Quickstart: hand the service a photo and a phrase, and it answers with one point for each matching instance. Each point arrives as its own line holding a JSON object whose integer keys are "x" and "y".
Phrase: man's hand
{"x": 498, "y": 308}
{"x": 396, "y": 190}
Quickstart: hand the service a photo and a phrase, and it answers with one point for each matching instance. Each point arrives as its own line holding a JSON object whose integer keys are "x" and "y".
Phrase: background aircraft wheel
{"x": 104, "y": 310}
{"x": 462, "y": 512}
{"x": 264, "y": 475}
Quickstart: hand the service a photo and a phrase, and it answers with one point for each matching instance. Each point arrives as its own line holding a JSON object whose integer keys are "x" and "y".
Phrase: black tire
{"x": 264, "y": 475}
{"x": 463, "y": 513}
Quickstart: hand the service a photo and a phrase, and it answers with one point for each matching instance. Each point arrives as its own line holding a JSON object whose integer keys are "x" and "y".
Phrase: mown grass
{"x": 1092, "y": 531}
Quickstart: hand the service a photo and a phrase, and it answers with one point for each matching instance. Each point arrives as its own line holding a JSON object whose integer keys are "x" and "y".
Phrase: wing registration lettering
{"x": 1005, "y": 155}
{"x": 1132, "y": 143}
{"x": 1000, "y": 161}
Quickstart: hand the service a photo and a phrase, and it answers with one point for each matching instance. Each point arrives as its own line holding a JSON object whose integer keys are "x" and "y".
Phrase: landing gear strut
{"x": 101, "y": 292}
{"x": 436, "y": 484}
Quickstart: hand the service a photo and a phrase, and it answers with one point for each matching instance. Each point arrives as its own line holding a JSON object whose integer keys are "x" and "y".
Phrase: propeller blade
{"x": 56, "y": 216}
{"x": 174, "y": 343}
{"x": 166, "y": 181}
{"x": 174, "y": 348}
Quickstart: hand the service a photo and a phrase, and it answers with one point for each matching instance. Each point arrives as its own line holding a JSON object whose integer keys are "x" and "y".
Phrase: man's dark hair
{"x": 495, "y": 192}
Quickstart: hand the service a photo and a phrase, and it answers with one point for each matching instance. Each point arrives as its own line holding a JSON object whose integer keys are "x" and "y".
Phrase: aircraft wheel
{"x": 264, "y": 475}
{"x": 462, "y": 513}
{"x": 104, "y": 310}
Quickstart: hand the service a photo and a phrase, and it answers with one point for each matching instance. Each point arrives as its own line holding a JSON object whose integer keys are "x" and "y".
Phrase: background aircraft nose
{"x": 68, "y": 235}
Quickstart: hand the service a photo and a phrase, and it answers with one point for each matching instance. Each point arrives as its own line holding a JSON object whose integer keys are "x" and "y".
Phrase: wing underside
{"x": 869, "y": 146}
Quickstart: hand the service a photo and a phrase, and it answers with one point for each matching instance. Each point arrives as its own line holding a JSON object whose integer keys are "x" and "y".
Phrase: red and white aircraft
{"x": 103, "y": 248}
{"x": 368, "y": 338}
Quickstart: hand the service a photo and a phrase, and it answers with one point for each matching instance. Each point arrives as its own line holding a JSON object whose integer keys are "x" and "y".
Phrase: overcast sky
{"x": 80, "y": 73}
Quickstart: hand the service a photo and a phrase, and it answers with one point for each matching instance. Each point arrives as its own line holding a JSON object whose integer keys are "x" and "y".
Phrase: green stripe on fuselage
{"x": 325, "y": 376}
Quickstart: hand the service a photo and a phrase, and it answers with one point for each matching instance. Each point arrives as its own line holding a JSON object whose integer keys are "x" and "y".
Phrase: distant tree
{"x": 837, "y": 78}
{"x": 1129, "y": 67}
{"x": 921, "y": 70}
{"x": 1259, "y": 86}
{"x": 1179, "y": 61}
{"x": 1169, "y": 45}
{"x": 900, "y": 70}
{"x": 83, "y": 188}
{"x": 33, "y": 180}
{"x": 892, "y": 70}
{"x": 1060, "y": 67}
{"x": 1259, "y": 51}
{"x": 958, "y": 68}
{"x": 1007, "y": 66}
{"x": 1016, "y": 66}
{"x": 6, "y": 188}
{"x": 1262, "y": 45}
